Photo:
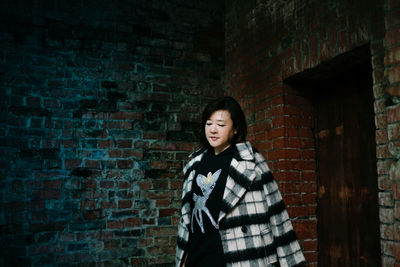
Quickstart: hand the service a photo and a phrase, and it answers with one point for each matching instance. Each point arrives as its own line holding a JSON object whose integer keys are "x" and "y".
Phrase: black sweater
{"x": 205, "y": 248}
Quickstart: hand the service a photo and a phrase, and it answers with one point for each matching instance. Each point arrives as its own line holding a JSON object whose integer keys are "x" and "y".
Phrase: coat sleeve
{"x": 287, "y": 247}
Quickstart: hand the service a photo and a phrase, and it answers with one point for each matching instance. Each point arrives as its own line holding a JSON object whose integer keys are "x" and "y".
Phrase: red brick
{"x": 382, "y": 152}
{"x": 162, "y": 145}
{"x": 342, "y": 41}
{"x": 309, "y": 175}
{"x": 176, "y": 184}
{"x": 90, "y": 163}
{"x": 280, "y": 143}
{"x": 160, "y": 192}
{"x": 133, "y": 222}
{"x": 392, "y": 56}
{"x": 115, "y": 225}
{"x": 394, "y": 131}
{"x": 154, "y": 135}
{"x": 379, "y": 106}
{"x": 393, "y": 74}
{"x": 149, "y": 221}
{"x": 260, "y": 116}
{"x": 310, "y": 245}
{"x": 287, "y": 176}
{"x": 168, "y": 212}
{"x": 285, "y": 153}
{"x": 125, "y": 115}
{"x": 381, "y": 137}
{"x": 397, "y": 210}
{"x": 308, "y": 154}
{"x": 386, "y": 231}
{"x": 381, "y": 121}
{"x": 124, "y": 143}
{"x": 396, "y": 251}
{"x": 127, "y": 153}
{"x": 118, "y": 125}
{"x": 159, "y": 165}
{"x": 144, "y": 242}
{"x": 307, "y": 187}
{"x": 396, "y": 190}
{"x": 124, "y": 204}
{"x": 275, "y": 111}
{"x": 288, "y": 188}
{"x": 92, "y": 215}
{"x": 314, "y": 50}
{"x": 311, "y": 257}
{"x": 108, "y": 205}
{"x": 161, "y": 185}
{"x": 393, "y": 114}
{"x": 125, "y": 164}
{"x": 262, "y": 126}
{"x": 294, "y": 199}
{"x": 384, "y": 182}
{"x": 72, "y": 163}
{"x": 305, "y": 229}
{"x": 53, "y": 184}
{"x": 392, "y": 37}
{"x": 145, "y": 185}
{"x": 47, "y": 194}
{"x": 111, "y": 244}
{"x": 304, "y": 165}
{"x": 65, "y": 258}
{"x": 124, "y": 185}
{"x": 394, "y": 172}
{"x": 309, "y": 198}
{"x": 393, "y": 90}
{"x": 161, "y": 231}
{"x": 163, "y": 202}
{"x": 106, "y": 184}
{"x": 105, "y": 143}
{"x": 384, "y": 166}
{"x": 88, "y": 204}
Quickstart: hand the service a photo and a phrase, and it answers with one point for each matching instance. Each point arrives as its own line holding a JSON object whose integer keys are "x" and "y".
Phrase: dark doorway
{"x": 347, "y": 212}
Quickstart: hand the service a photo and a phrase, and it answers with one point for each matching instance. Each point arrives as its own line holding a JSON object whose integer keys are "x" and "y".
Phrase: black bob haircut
{"x": 239, "y": 120}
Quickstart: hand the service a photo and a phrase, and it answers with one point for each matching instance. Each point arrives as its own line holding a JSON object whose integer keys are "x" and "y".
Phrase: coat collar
{"x": 240, "y": 177}
{"x": 244, "y": 151}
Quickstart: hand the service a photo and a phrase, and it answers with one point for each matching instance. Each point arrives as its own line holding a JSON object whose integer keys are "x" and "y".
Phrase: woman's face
{"x": 219, "y": 130}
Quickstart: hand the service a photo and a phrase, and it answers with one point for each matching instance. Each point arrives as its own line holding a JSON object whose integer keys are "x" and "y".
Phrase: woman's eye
{"x": 208, "y": 123}
{"x": 221, "y": 125}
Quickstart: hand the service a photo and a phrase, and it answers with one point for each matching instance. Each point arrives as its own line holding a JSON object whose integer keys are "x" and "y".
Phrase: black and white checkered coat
{"x": 253, "y": 223}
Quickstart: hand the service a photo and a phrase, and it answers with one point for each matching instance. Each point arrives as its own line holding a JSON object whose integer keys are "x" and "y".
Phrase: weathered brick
{"x": 386, "y": 215}
{"x": 92, "y": 91}
{"x": 393, "y": 113}
{"x": 386, "y": 199}
{"x": 392, "y": 37}
{"x": 124, "y": 204}
{"x": 394, "y": 172}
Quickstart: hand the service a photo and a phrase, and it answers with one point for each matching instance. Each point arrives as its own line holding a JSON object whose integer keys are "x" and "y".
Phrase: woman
{"x": 232, "y": 211}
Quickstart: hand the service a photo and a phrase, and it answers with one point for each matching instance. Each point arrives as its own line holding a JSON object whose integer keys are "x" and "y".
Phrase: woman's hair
{"x": 239, "y": 120}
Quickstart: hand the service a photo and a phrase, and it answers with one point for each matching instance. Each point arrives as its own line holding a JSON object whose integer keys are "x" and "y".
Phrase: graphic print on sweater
{"x": 206, "y": 185}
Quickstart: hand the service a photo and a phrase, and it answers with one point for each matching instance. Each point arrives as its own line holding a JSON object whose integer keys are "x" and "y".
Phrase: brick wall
{"x": 390, "y": 182}
{"x": 100, "y": 102}
{"x": 269, "y": 42}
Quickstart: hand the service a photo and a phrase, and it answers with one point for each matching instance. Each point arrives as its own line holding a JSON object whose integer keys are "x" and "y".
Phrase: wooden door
{"x": 348, "y": 225}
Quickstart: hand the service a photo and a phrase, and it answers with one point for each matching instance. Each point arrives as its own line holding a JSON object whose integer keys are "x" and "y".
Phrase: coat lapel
{"x": 189, "y": 173}
{"x": 240, "y": 177}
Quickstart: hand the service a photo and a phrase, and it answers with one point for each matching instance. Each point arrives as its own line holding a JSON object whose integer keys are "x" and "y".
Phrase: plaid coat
{"x": 253, "y": 223}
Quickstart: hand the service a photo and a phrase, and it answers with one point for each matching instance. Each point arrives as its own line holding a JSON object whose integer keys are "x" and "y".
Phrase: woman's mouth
{"x": 213, "y": 138}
